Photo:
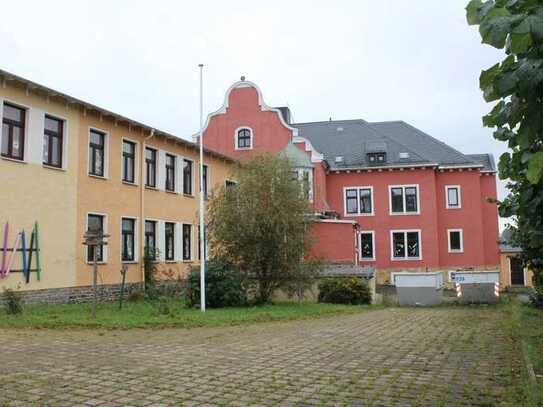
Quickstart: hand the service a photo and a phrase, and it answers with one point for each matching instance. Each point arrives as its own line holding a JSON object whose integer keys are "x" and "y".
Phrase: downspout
{"x": 142, "y": 205}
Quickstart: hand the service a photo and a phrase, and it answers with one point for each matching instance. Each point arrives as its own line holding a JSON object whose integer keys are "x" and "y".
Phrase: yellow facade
{"x": 30, "y": 192}
{"x": 61, "y": 199}
{"x": 505, "y": 270}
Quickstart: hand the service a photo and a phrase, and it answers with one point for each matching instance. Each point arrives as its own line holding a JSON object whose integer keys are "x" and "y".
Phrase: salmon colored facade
{"x": 475, "y": 220}
{"x": 62, "y": 199}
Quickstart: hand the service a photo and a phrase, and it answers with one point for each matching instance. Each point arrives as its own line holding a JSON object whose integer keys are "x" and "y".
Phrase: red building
{"x": 387, "y": 194}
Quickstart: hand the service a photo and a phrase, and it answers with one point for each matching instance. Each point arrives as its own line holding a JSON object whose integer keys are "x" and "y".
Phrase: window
{"x": 187, "y": 242}
{"x": 129, "y": 162}
{"x": 206, "y": 182}
{"x": 169, "y": 230}
{"x": 404, "y": 199}
{"x": 128, "y": 229}
{"x": 150, "y": 167}
{"x": 367, "y": 244}
{"x": 13, "y": 132}
{"x": 359, "y": 201}
{"x": 170, "y": 172}
{"x": 452, "y": 197}
{"x": 187, "y": 177}
{"x": 377, "y": 158}
{"x": 244, "y": 139}
{"x": 52, "y": 142}
{"x": 229, "y": 184}
{"x": 406, "y": 245}
{"x": 95, "y": 223}
{"x": 150, "y": 238}
{"x": 96, "y": 153}
{"x": 456, "y": 241}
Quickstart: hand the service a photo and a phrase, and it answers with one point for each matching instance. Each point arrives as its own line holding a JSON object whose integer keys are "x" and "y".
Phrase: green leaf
{"x": 503, "y": 134}
{"x": 472, "y": 12}
{"x": 535, "y": 168}
{"x": 495, "y": 27}
{"x": 504, "y": 165}
{"x": 520, "y": 43}
{"x": 506, "y": 83}
{"x": 490, "y": 119}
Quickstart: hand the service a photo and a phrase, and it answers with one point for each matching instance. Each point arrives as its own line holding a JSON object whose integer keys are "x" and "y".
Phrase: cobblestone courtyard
{"x": 440, "y": 356}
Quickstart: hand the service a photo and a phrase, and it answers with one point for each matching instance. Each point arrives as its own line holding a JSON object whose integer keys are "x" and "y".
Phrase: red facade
{"x": 475, "y": 219}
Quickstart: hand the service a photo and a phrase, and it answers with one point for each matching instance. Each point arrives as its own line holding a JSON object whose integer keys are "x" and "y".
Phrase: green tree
{"x": 260, "y": 225}
{"x": 516, "y": 83}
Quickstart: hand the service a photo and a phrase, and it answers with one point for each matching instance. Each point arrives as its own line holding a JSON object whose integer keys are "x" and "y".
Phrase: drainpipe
{"x": 142, "y": 205}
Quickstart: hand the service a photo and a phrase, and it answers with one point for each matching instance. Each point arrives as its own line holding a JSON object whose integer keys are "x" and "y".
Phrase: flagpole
{"x": 202, "y": 192}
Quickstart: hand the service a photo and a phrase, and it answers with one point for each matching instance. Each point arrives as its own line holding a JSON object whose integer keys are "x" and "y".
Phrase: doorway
{"x": 517, "y": 271}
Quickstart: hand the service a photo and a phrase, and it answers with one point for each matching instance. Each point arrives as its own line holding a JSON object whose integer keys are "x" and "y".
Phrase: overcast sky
{"x": 417, "y": 61}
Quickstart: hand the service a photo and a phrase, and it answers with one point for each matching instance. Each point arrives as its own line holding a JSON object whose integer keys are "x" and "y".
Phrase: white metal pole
{"x": 202, "y": 192}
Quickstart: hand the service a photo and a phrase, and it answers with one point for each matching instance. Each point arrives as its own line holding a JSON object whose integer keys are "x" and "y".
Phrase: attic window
{"x": 377, "y": 158}
{"x": 340, "y": 129}
{"x": 339, "y": 159}
{"x": 404, "y": 156}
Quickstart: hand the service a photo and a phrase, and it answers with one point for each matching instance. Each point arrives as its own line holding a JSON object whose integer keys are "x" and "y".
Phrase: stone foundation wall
{"x": 71, "y": 295}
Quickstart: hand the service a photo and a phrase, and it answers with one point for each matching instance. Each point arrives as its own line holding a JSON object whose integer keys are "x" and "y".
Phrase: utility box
{"x": 477, "y": 287}
{"x": 419, "y": 288}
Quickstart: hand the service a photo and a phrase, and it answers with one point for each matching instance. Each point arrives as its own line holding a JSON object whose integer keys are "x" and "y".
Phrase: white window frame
{"x": 461, "y": 250}
{"x": 236, "y": 138}
{"x": 358, "y": 213}
{"x": 403, "y": 186}
{"x": 405, "y": 232}
{"x": 144, "y": 163}
{"x": 192, "y": 257}
{"x": 447, "y": 205}
{"x": 136, "y": 240}
{"x": 26, "y": 141}
{"x": 175, "y": 166}
{"x": 157, "y": 238}
{"x": 106, "y": 152}
{"x": 372, "y": 232}
{"x": 136, "y": 161}
{"x": 64, "y": 152}
{"x": 174, "y": 241}
{"x": 105, "y": 247}
{"x": 192, "y": 176}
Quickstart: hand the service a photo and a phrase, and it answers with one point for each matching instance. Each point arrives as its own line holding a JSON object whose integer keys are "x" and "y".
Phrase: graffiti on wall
{"x": 29, "y": 249}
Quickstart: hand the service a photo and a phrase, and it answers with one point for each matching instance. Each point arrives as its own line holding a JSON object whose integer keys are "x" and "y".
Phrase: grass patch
{"x": 525, "y": 325}
{"x": 165, "y": 314}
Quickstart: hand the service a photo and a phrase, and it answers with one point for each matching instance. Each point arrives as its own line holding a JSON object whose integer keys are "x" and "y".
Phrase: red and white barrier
{"x": 497, "y": 289}
{"x": 458, "y": 290}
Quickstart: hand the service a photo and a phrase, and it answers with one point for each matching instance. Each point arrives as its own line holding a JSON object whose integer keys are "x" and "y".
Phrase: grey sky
{"x": 378, "y": 60}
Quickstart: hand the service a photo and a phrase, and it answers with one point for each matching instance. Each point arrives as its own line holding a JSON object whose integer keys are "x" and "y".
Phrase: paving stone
{"x": 398, "y": 357}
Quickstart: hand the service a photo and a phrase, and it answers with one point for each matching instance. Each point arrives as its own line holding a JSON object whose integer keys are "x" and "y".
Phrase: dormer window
{"x": 244, "y": 139}
{"x": 377, "y": 158}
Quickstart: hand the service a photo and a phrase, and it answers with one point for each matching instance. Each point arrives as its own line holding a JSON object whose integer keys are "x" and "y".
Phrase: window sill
{"x": 403, "y": 213}
{"x": 129, "y": 262}
{"x": 52, "y": 167}
{"x": 130, "y": 184}
{"x": 102, "y": 177}
{"x": 188, "y": 195}
{"x": 453, "y": 207}
{"x": 187, "y": 261}
{"x": 15, "y": 160}
{"x": 456, "y": 251}
{"x": 100, "y": 263}
{"x": 244, "y": 148}
{"x": 151, "y": 188}
{"x": 354, "y": 215}
{"x": 366, "y": 260}
{"x": 170, "y": 192}
{"x": 406, "y": 259}
{"x": 170, "y": 261}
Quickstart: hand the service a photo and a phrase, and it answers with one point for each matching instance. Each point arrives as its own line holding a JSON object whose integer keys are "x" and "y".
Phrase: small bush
{"x": 536, "y": 295}
{"x": 342, "y": 290}
{"x": 13, "y": 301}
{"x": 224, "y": 287}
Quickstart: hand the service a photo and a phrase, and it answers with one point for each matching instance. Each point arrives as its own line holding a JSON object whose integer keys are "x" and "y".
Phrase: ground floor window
{"x": 455, "y": 239}
{"x": 128, "y": 229}
{"x": 367, "y": 245}
{"x": 187, "y": 242}
{"x": 150, "y": 238}
{"x": 406, "y": 245}
{"x": 95, "y": 223}
{"x": 169, "y": 230}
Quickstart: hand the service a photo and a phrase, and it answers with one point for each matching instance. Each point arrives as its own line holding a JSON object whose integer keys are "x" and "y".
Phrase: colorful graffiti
{"x": 28, "y": 253}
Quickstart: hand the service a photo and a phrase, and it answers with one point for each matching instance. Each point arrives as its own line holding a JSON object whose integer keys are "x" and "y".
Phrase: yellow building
{"x": 512, "y": 270}
{"x": 69, "y": 165}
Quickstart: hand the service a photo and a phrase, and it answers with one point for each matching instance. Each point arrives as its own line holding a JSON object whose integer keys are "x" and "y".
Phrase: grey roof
{"x": 297, "y": 157}
{"x": 487, "y": 160}
{"x": 505, "y": 243}
{"x": 405, "y": 145}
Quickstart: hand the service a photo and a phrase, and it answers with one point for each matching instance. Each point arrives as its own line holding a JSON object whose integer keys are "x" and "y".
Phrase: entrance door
{"x": 517, "y": 271}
